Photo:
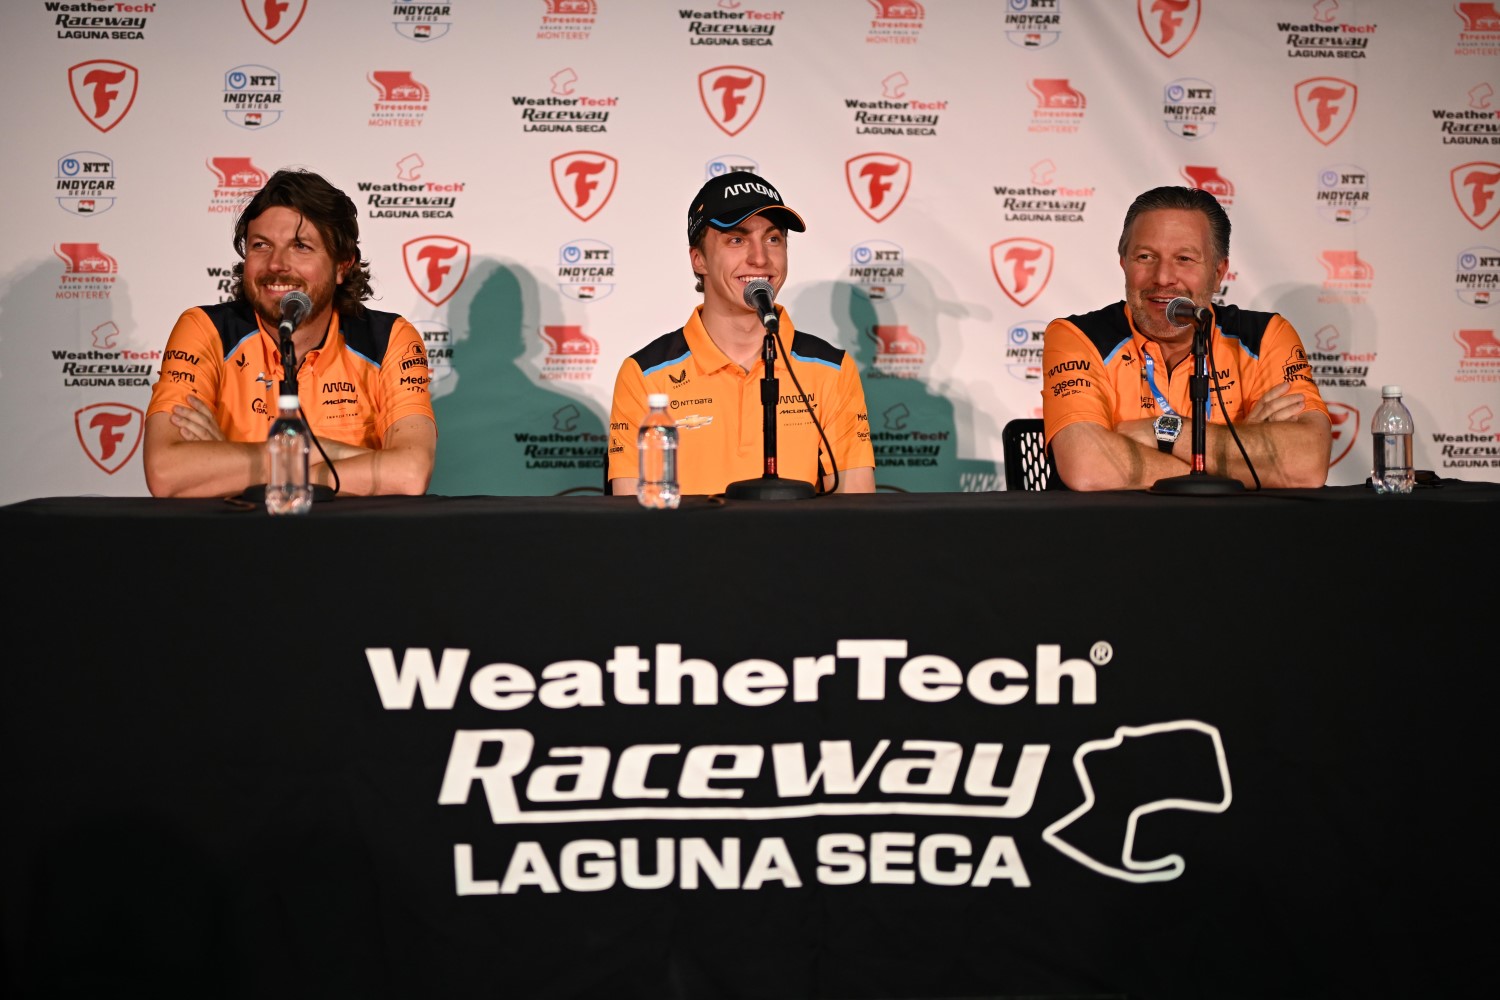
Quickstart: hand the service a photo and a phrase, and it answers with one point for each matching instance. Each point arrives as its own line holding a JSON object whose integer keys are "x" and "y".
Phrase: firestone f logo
{"x": 1022, "y": 267}
{"x": 436, "y": 266}
{"x": 584, "y": 181}
{"x": 1475, "y": 191}
{"x": 103, "y": 91}
{"x": 1326, "y": 106}
{"x": 109, "y": 433}
{"x": 274, "y": 19}
{"x": 878, "y": 182}
{"x": 1169, "y": 24}
{"x": 731, "y": 95}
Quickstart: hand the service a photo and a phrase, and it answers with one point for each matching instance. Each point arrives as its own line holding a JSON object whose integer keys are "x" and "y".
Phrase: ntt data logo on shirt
{"x": 422, "y": 22}
{"x": 731, "y": 24}
{"x": 567, "y": 20}
{"x": 563, "y": 108}
{"x": 586, "y": 270}
{"x": 1343, "y": 193}
{"x": 878, "y": 268}
{"x": 274, "y": 21}
{"x": 896, "y": 22}
{"x": 1168, "y": 24}
{"x": 1023, "y": 349}
{"x": 1032, "y": 24}
{"x": 401, "y": 99}
{"x": 1190, "y": 108}
{"x": 88, "y": 272}
{"x": 1476, "y": 277}
{"x": 252, "y": 96}
{"x": 236, "y": 179}
{"x": 85, "y": 183}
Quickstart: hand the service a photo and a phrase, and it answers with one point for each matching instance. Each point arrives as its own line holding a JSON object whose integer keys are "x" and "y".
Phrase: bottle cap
{"x": 287, "y": 401}
{"x": 1390, "y": 390}
{"x": 657, "y": 400}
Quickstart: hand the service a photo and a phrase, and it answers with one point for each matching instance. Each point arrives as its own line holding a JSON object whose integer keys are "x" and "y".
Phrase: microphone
{"x": 760, "y": 296}
{"x": 294, "y": 309}
{"x": 1181, "y": 311}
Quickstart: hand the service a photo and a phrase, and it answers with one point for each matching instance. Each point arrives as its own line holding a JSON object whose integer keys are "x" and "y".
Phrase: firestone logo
{"x": 1059, "y": 105}
{"x": 1022, "y": 267}
{"x": 236, "y": 180}
{"x": 878, "y": 183}
{"x": 88, "y": 272}
{"x": 252, "y": 96}
{"x": 103, "y": 91}
{"x": 732, "y": 96}
{"x": 572, "y": 355}
{"x": 1032, "y": 24}
{"x": 85, "y": 183}
{"x": 897, "y": 22}
{"x": 1476, "y": 191}
{"x": 401, "y": 99}
{"x": 1479, "y": 32}
{"x": 1347, "y": 277}
{"x": 274, "y": 20}
{"x": 899, "y": 353}
{"x": 567, "y": 20}
{"x": 1210, "y": 179}
{"x": 109, "y": 433}
{"x": 1325, "y": 105}
{"x": 584, "y": 181}
{"x": 1168, "y": 24}
{"x": 436, "y": 266}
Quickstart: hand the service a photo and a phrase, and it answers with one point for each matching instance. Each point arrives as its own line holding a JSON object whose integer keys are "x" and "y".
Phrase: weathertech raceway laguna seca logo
{"x": 1117, "y": 782}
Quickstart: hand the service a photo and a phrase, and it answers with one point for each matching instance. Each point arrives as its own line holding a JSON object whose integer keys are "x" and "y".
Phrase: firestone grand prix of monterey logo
{"x": 1169, "y": 24}
{"x": 1325, "y": 104}
{"x": 731, "y": 95}
{"x": 436, "y": 265}
{"x": 274, "y": 20}
{"x": 584, "y": 181}
{"x": 1476, "y": 191}
{"x": 103, "y": 91}
{"x": 878, "y": 183}
{"x": 1022, "y": 267}
{"x": 109, "y": 433}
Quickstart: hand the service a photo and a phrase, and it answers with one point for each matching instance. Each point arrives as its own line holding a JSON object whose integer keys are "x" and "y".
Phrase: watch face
{"x": 1168, "y": 426}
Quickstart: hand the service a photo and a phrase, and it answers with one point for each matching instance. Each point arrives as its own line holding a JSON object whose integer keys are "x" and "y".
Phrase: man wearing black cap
{"x": 712, "y": 367}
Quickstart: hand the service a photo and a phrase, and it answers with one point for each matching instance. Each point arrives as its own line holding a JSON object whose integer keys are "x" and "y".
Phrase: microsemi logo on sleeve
{"x": 584, "y": 181}
{"x": 103, "y": 91}
{"x": 1022, "y": 267}
{"x": 274, "y": 20}
{"x": 1168, "y": 24}
{"x": 436, "y": 265}
{"x": 1325, "y": 104}
{"x": 732, "y": 96}
{"x": 878, "y": 183}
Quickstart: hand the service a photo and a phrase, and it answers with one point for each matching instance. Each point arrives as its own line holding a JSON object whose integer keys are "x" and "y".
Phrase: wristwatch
{"x": 1167, "y": 427}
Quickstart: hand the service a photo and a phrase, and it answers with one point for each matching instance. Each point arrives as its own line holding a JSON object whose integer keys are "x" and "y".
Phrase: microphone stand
{"x": 1198, "y": 482}
{"x": 769, "y": 486}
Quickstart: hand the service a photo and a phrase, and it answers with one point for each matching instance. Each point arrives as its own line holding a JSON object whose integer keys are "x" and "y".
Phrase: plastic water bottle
{"x": 1392, "y": 431}
{"x": 288, "y": 490}
{"x": 656, "y": 442}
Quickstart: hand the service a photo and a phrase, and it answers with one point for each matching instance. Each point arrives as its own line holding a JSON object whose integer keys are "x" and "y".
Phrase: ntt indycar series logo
{"x": 421, "y": 22}
{"x": 252, "y": 96}
{"x": 524, "y": 794}
{"x": 85, "y": 183}
{"x": 1033, "y": 24}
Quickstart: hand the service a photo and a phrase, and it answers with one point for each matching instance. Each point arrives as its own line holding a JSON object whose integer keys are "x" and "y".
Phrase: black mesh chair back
{"x": 1027, "y": 464}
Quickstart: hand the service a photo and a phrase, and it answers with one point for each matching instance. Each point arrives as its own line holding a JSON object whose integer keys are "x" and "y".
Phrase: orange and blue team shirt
{"x": 718, "y": 411}
{"x": 1100, "y": 369}
{"x": 345, "y": 395}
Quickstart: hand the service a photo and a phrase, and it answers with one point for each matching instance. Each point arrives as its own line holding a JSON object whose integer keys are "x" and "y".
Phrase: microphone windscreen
{"x": 756, "y": 288}
{"x": 295, "y": 306}
{"x": 1181, "y": 311}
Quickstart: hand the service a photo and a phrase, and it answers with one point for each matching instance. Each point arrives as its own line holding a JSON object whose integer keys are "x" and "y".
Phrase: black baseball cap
{"x": 731, "y": 198}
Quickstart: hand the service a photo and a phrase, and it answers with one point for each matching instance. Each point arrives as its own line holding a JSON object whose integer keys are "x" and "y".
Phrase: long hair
{"x": 337, "y": 222}
{"x": 1191, "y": 199}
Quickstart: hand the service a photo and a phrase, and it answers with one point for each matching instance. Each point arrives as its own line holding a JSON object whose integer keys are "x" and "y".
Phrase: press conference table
{"x": 897, "y": 745}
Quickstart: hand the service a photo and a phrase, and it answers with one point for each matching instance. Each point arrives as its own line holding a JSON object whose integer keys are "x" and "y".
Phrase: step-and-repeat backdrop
{"x": 523, "y": 169}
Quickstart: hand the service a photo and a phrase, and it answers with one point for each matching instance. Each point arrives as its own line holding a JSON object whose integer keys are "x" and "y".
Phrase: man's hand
{"x": 196, "y": 422}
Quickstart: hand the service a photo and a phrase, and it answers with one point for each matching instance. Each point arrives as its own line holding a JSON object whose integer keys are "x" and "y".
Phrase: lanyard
{"x": 1161, "y": 400}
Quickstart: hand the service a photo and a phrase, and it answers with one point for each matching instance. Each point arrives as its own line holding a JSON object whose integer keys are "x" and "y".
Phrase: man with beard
{"x": 362, "y": 375}
{"x": 1116, "y": 401}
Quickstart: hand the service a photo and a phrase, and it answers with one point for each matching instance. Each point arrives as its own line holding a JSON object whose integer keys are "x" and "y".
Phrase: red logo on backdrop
{"x": 109, "y": 433}
{"x": 1479, "y": 16}
{"x": 584, "y": 180}
{"x": 1478, "y": 344}
{"x": 897, "y": 340}
{"x": 898, "y": 10}
{"x": 105, "y": 334}
{"x": 731, "y": 95}
{"x": 103, "y": 91}
{"x": 1209, "y": 179}
{"x": 274, "y": 19}
{"x": 86, "y": 258}
{"x": 237, "y": 172}
{"x": 1476, "y": 189}
{"x": 571, "y": 7}
{"x": 878, "y": 182}
{"x": 398, "y": 85}
{"x": 1326, "y": 106}
{"x": 1346, "y": 430}
{"x": 436, "y": 265}
{"x": 1056, "y": 92}
{"x": 1346, "y": 265}
{"x": 1022, "y": 267}
{"x": 1169, "y": 24}
{"x": 569, "y": 341}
